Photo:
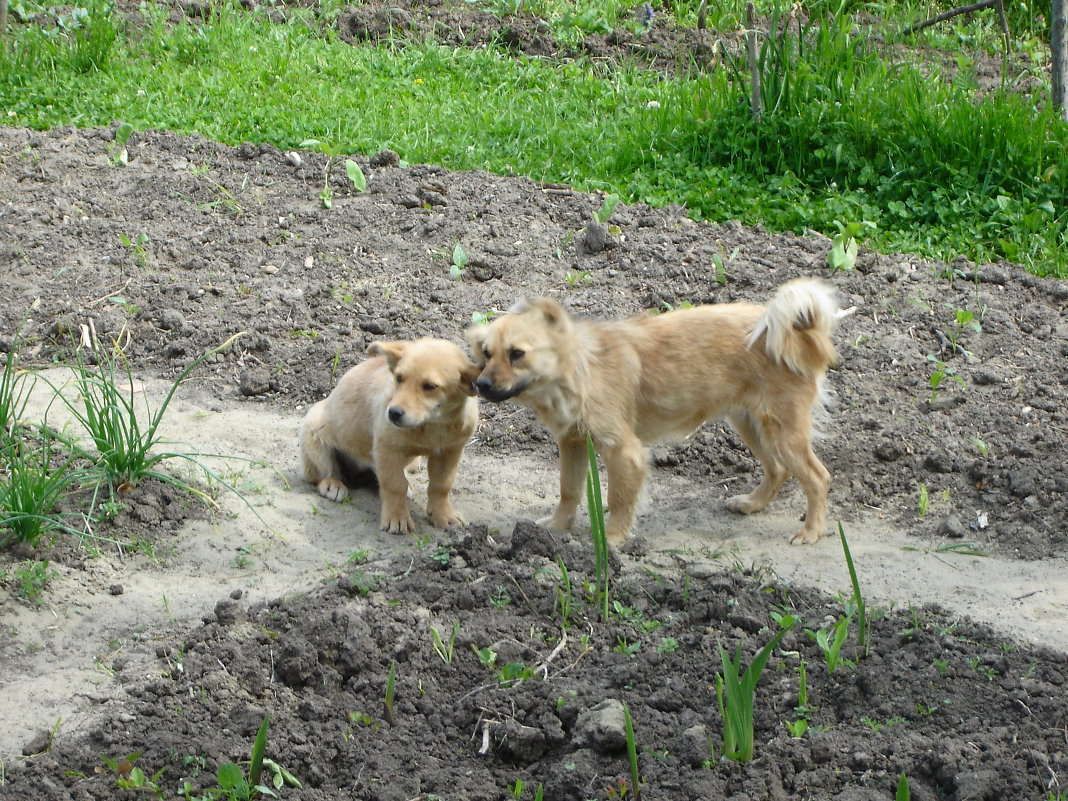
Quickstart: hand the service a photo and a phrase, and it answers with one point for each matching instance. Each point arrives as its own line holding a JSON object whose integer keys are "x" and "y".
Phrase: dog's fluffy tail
{"x": 796, "y": 327}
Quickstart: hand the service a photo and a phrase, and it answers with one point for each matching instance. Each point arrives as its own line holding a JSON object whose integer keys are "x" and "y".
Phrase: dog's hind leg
{"x": 573, "y": 467}
{"x": 627, "y": 466}
{"x": 317, "y": 457}
{"x": 795, "y": 450}
{"x": 775, "y": 474}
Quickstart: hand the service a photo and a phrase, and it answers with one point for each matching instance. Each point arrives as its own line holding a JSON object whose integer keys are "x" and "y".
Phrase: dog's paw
{"x": 445, "y": 518}
{"x": 553, "y": 524}
{"x": 332, "y": 489}
{"x": 400, "y": 524}
{"x": 806, "y": 537}
{"x": 740, "y": 504}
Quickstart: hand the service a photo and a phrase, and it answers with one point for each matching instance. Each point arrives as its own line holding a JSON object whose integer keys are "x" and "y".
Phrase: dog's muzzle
{"x": 396, "y": 416}
{"x": 488, "y": 390}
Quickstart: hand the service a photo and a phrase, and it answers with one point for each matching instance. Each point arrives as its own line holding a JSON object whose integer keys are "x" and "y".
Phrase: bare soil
{"x": 177, "y": 642}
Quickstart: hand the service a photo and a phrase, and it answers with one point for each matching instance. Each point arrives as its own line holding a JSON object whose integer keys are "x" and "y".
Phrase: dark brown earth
{"x": 237, "y": 241}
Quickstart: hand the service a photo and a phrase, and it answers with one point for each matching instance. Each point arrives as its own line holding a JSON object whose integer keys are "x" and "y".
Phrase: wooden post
{"x": 1059, "y": 54}
{"x": 754, "y": 69}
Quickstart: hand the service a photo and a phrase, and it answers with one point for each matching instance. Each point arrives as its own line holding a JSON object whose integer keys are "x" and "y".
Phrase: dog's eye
{"x": 486, "y": 354}
{"x": 398, "y": 378}
{"x": 515, "y": 354}
{"x": 428, "y": 387}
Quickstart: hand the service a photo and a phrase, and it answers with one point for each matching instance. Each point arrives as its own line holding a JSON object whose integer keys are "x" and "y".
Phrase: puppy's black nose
{"x": 483, "y": 385}
{"x": 395, "y": 415}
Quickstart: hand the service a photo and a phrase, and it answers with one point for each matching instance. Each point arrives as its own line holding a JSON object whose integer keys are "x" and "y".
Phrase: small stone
{"x": 255, "y": 382}
{"x": 294, "y": 159}
{"x": 270, "y": 269}
{"x": 171, "y": 320}
{"x": 952, "y": 527}
{"x": 116, "y": 589}
{"x": 385, "y": 158}
{"x": 38, "y": 745}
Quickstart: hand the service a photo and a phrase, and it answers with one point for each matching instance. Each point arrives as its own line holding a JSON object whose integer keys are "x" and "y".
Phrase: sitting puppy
{"x": 412, "y": 399}
{"x": 629, "y": 383}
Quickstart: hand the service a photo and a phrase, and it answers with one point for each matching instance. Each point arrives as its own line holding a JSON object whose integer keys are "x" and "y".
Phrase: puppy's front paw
{"x": 332, "y": 489}
{"x": 398, "y": 524}
{"x": 740, "y": 504}
{"x": 443, "y": 518}
{"x": 806, "y": 536}
{"x": 553, "y": 523}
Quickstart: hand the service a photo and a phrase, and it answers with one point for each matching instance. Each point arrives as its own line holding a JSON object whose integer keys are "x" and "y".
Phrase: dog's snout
{"x": 483, "y": 384}
{"x": 396, "y": 415}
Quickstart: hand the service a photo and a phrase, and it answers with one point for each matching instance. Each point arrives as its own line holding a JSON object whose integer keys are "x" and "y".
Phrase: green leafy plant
{"x": 355, "y": 174}
{"x": 38, "y": 475}
{"x": 125, "y": 446}
{"x": 941, "y": 372}
{"x": 830, "y": 640}
{"x": 459, "y": 262}
{"x": 131, "y": 777}
{"x": 607, "y": 209}
{"x": 602, "y": 589}
{"x": 843, "y": 252}
{"x": 119, "y": 154}
{"x": 237, "y": 785}
{"x": 137, "y": 247}
{"x": 15, "y": 387}
{"x": 735, "y": 691}
{"x": 30, "y": 579}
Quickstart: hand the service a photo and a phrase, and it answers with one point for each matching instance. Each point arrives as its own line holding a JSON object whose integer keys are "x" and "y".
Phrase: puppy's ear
{"x": 468, "y": 376}
{"x": 555, "y": 314}
{"x": 391, "y": 350}
{"x": 476, "y": 335}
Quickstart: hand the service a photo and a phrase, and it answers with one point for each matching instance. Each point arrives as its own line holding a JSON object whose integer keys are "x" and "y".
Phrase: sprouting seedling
{"x": 459, "y": 262}
{"x": 903, "y": 793}
{"x": 576, "y": 277}
{"x": 445, "y": 648}
{"x": 843, "y": 253}
{"x": 721, "y": 269}
{"x": 980, "y": 446}
{"x": 735, "y": 691}
{"x": 799, "y": 725}
{"x": 326, "y": 196}
{"x": 359, "y": 180}
{"x": 483, "y": 318}
{"x": 119, "y": 155}
{"x": 563, "y": 592}
{"x": 608, "y": 207}
{"x": 387, "y": 702}
{"x": 963, "y": 319}
{"x": 924, "y": 501}
{"x": 941, "y": 372}
{"x": 597, "y": 525}
{"x": 831, "y": 639}
{"x": 632, "y": 753}
{"x": 137, "y": 247}
{"x": 863, "y": 634}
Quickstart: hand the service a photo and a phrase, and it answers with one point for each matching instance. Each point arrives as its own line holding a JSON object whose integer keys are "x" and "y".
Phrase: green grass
{"x": 847, "y": 135}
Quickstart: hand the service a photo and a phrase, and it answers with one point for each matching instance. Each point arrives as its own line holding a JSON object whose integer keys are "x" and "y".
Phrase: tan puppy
{"x": 651, "y": 378}
{"x": 413, "y": 399}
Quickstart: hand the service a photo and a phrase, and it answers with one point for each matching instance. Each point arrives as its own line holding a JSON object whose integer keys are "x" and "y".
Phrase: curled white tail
{"x": 796, "y": 327}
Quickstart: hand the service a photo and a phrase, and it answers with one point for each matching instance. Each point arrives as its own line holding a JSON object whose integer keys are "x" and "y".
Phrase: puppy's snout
{"x": 396, "y": 415}
{"x": 483, "y": 384}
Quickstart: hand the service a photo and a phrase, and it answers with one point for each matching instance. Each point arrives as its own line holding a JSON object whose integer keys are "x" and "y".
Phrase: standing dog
{"x": 413, "y": 399}
{"x": 632, "y": 382}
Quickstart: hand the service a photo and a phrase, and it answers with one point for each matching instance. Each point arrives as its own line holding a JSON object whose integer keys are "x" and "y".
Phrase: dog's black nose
{"x": 395, "y": 415}
{"x": 483, "y": 385}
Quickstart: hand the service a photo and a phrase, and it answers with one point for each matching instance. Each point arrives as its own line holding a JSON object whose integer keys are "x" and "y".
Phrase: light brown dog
{"x": 632, "y": 382}
{"x": 413, "y": 399}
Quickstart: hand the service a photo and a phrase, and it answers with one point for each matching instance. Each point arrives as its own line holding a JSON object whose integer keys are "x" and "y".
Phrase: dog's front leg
{"x": 441, "y": 472}
{"x": 393, "y": 491}
{"x": 573, "y": 467}
{"x": 626, "y": 466}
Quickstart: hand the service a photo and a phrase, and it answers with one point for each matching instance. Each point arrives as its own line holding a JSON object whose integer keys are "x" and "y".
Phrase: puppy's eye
{"x": 515, "y": 354}
{"x": 398, "y": 378}
{"x": 428, "y": 387}
{"x": 486, "y": 354}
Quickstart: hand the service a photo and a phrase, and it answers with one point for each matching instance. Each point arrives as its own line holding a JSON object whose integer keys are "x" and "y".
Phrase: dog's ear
{"x": 391, "y": 350}
{"x": 476, "y": 335}
{"x": 555, "y": 314}
{"x": 468, "y": 376}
